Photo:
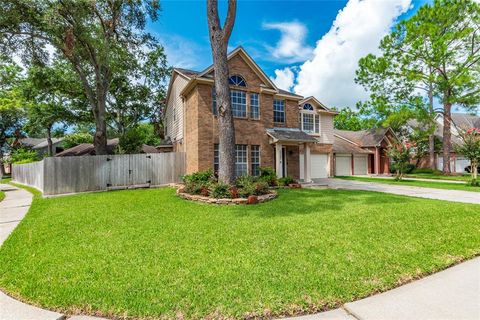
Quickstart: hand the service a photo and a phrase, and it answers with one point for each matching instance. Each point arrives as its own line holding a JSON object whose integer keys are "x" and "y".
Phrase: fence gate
{"x": 129, "y": 170}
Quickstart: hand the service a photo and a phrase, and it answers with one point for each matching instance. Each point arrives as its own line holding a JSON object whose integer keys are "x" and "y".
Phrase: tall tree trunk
{"x": 431, "y": 137}
{"x": 49, "y": 141}
{"x": 447, "y": 137}
{"x": 2, "y": 165}
{"x": 100, "y": 137}
{"x": 219, "y": 42}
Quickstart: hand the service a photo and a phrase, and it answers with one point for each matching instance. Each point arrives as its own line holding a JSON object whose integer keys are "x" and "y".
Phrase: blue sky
{"x": 293, "y": 41}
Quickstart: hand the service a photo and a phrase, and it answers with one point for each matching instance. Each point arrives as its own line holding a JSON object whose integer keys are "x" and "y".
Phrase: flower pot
{"x": 252, "y": 199}
{"x": 295, "y": 185}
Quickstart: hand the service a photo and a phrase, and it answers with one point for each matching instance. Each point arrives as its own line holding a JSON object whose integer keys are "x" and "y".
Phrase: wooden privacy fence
{"x": 94, "y": 173}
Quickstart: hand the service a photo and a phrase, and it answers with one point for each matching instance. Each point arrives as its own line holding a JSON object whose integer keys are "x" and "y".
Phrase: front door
{"x": 284, "y": 162}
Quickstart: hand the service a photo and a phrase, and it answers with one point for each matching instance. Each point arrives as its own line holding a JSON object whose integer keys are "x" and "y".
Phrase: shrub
{"x": 247, "y": 189}
{"x": 285, "y": 181}
{"x": 23, "y": 155}
{"x": 268, "y": 175}
{"x": 261, "y": 187}
{"x": 474, "y": 183}
{"x": 234, "y": 192}
{"x": 200, "y": 176}
{"x": 220, "y": 190}
{"x": 198, "y": 182}
{"x": 245, "y": 181}
{"x": 409, "y": 168}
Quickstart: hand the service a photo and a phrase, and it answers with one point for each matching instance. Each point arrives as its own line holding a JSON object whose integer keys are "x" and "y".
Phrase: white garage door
{"x": 360, "y": 165}
{"x": 343, "y": 165}
{"x": 460, "y": 165}
{"x": 318, "y": 166}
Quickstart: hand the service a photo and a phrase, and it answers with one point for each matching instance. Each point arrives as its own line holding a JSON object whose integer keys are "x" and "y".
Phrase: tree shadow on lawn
{"x": 314, "y": 201}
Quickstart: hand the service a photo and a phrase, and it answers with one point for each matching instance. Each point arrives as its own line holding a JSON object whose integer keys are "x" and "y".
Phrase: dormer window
{"x": 307, "y": 107}
{"x": 237, "y": 80}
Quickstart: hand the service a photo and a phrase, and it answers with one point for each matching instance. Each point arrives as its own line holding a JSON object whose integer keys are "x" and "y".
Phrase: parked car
{"x": 469, "y": 169}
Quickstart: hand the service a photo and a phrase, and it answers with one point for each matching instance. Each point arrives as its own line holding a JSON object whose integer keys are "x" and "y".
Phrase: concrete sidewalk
{"x": 413, "y": 179}
{"x": 420, "y": 192}
{"x": 452, "y": 294}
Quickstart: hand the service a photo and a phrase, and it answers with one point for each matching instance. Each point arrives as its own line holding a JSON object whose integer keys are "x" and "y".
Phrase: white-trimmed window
{"x": 309, "y": 121}
{"x": 216, "y": 158}
{"x": 255, "y": 160}
{"x": 237, "y": 80}
{"x": 241, "y": 160}
{"x": 238, "y": 100}
{"x": 278, "y": 111}
{"x": 254, "y": 106}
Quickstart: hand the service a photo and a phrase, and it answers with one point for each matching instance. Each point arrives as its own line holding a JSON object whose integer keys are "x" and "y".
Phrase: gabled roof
{"x": 340, "y": 145}
{"x": 240, "y": 51}
{"x": 205, "y": 75}
{"x": 365, "y": 138}
{"x": 465, "y": 121}
{"x": 31, "y": 142}
{"x": 44, "y": 144}
{"x": 84, "y": 149}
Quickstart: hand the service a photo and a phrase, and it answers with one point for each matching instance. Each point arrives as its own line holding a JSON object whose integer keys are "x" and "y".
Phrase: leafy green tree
{"x": 134, "y": 139}
{"x": 347, "y": 119}
{"x": 74, "y": 139}
{"x": 437, "y": 52}
{"x": 53, "y": 95}
{"x": 12, "y": 113}
{"x": 400, "y": 156}
{"x": 92, "y": 35}
{"x": 137, "y": 92}
{"x": 470, "y": 149}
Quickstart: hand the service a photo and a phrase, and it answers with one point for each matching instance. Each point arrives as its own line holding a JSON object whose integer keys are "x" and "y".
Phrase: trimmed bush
{"x": 220, "y": 190}
{"x": 285, "y": 181}
{"x": 268, "y": 175}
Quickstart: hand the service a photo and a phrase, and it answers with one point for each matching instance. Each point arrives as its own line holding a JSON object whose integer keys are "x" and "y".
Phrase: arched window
{"x": 237, "y": 80}
{"x": 308, "y": 107}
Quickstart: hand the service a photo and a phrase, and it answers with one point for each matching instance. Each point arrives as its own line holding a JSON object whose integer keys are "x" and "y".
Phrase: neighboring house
{"x": 87, "y": 149}
{"x": 460, "y": 122}
{"x": 273, "y": 127}
{"x": 41, "y": 145}
{"x": 366, "y": 152}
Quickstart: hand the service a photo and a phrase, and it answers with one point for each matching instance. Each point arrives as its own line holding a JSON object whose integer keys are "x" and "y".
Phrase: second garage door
{"x": 343, "y": 165}
{"x": 360, "y": 165}
{"x": 318, "y": 166}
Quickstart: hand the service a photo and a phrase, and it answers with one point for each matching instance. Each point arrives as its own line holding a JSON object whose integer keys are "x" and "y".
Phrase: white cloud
{"x": 357, "y": 31}
{"x": 284, "y": 78}
{"x": 291, "y": 47}
{"x": 183, "y": 53}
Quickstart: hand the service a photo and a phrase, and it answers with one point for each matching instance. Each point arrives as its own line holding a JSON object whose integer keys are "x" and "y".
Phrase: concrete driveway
{"x": 420, "y": 192}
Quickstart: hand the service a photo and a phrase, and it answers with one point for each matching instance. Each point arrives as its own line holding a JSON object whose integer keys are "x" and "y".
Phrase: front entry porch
{"x": 287, "y": 144}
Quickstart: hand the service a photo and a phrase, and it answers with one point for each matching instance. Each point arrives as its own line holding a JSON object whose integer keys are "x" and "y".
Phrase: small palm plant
{"x": 400, "y": 155}
{"x": 470, "y": 149}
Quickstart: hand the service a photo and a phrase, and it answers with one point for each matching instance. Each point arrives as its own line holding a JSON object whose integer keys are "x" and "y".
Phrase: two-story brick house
{"x": 273, "y": 127}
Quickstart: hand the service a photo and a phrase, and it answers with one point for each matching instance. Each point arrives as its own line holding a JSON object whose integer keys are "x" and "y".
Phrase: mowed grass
{"x": 147, "y": 253}
{"x": 435, "y": 176}
{"x": 416, "y": 183}
{"x": 2, "y": 195}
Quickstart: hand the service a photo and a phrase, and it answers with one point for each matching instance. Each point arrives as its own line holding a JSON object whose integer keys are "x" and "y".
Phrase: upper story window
{"x": 307, "y": 107}
{"x": 237, "y": 80}
{"x": 309, "y": 121}
{"x": 278, "y": 110}
{"x": 238, "y": 100}
{"x": 254, "y": 106}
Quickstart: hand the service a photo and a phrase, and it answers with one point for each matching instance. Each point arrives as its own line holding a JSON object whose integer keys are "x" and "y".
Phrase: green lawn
{"x": 416, "y": 183}
{"x": 147, "y": 253}
{"x": 2, "y": 195}
{"x": 435, "y": 176}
